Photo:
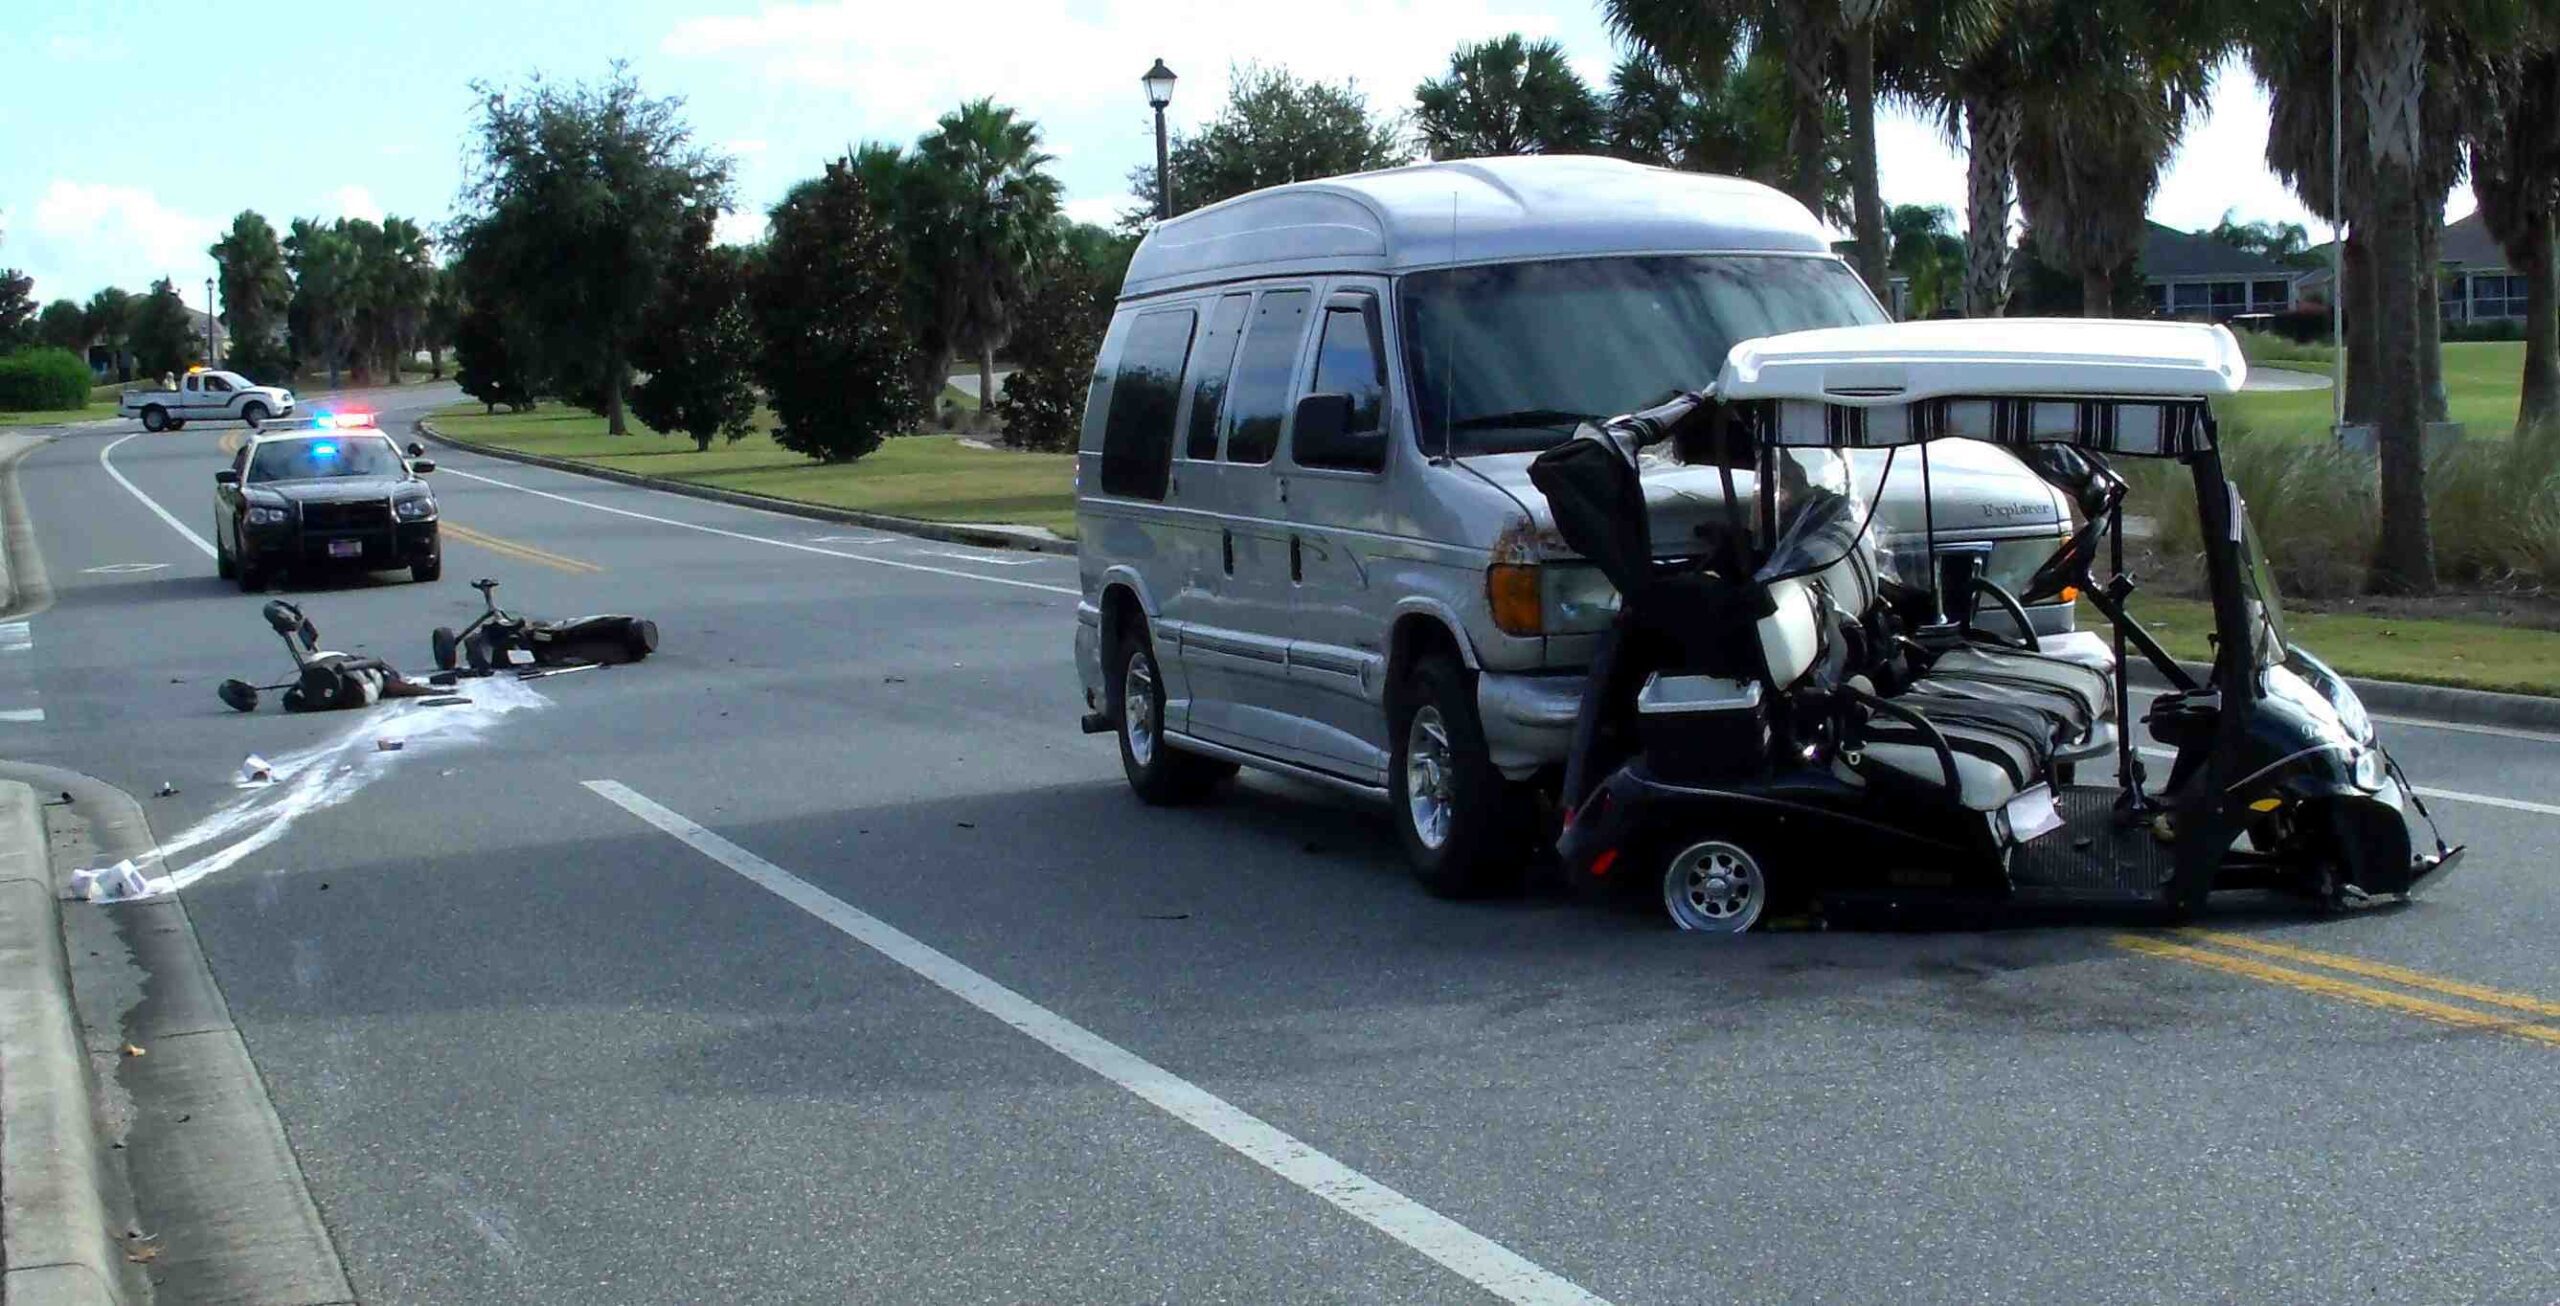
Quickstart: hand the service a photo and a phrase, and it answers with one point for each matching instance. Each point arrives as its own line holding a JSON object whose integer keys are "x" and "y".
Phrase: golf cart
{"x": 1794, "y": 718}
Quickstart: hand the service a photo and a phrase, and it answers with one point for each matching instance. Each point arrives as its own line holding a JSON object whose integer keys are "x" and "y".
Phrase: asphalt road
{"x": 902, "y": 997}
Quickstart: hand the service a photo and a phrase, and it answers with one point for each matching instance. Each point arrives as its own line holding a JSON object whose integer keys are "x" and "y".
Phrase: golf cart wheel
{"x": 476, "y": 652}
{"x": 238, "y": 695}
{"x": 1714, "y": 888}
{"x": 641, "y": 640}
{"x": 1463, "y": 826}
{"x": 448, "y": 648}
{"x": 1160, "y": 774}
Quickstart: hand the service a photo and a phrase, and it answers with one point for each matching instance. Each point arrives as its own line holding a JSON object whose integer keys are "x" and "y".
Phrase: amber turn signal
{"x": 1517, "y": 605}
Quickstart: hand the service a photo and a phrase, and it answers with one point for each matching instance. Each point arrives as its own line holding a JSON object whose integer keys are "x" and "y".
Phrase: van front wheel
{"x": 1463, "y": 830}
{"x": 1159, "y": 773}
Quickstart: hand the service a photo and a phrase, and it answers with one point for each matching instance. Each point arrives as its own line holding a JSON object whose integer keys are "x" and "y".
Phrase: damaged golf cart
{"x": 1799, "y": 717}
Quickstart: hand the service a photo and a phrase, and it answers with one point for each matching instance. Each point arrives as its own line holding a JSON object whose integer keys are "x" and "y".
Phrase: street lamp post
{"x": 209, "y": 359}
{"x": 1159, "y": 84}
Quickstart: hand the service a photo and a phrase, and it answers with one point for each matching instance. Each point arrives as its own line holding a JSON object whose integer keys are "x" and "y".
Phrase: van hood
{"x": 1980, "y": 491}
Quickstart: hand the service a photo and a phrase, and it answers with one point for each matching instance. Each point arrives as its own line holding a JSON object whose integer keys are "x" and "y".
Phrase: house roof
{"x": 2468, "y": 245}
{"x": 1470, "y": 211}
{"x": 2168, "y": 254}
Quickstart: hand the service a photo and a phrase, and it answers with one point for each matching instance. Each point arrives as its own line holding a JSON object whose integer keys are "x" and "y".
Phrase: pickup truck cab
{"x": 207, "y": 396}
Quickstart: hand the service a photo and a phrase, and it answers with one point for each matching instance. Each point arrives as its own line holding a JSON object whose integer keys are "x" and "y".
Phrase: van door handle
{"x": 1227, "y": 544}
{"x": 1297, "y": 564}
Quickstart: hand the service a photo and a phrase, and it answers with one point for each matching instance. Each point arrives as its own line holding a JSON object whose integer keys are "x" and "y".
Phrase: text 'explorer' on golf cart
{"x": 1794, "y": 720}
{"x": 1308, "y": 537}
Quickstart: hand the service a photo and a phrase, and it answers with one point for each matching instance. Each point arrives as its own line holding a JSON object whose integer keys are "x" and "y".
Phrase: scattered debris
{"x": 1164, "y": 916}
{"x": 109, "y": 883}
{"x": 388, "y": 745}
{"x": 254, "y": 770}
{"x": 893, "y": 680}
{"x": 167, "y": 790}
{"x": 134, "y": 1050}
{"x": 444, "y": 700}
{"x": 966, "y": 825}
{"x": 143, "y": 1255}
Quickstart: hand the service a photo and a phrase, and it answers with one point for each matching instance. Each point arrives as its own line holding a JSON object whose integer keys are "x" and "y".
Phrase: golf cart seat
{"x": 1996, "y": 755}
{"x": 2073, "y": 700}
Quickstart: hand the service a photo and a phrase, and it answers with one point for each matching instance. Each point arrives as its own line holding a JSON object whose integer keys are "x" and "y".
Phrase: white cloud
{"x": 355, "y": 202}
{"x": 115, "y": 234}
{"x": 739, "y": 228}
{"x": 1100, "y": 210}
{"x": 746, "y": 146}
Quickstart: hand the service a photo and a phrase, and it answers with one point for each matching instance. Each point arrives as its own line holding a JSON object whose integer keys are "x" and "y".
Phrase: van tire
{"x": 1481, "y": 842}
{"x": 1160, "y": 774}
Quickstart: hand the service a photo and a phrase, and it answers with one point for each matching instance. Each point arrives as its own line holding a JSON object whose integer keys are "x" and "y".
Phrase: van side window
{"x": 1258, "y": 399}
{"x": 1347, "y": 363}
{"x": 1209, "y": 391}
{"x": 1137, "y": 432}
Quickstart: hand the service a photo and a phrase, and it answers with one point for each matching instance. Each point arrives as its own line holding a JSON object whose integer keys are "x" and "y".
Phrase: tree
{"x": 998, "y": 202}
{"x": 1966, "y": 63}
{"x": 1726, "y": 117}
{"x": 1928, "y": 255}
{"x": 1507, "y": 96}
{"x": 1274, "y": 129}
{"x": 63, "y": 326}
{"x": 442, "y": 317}
{"x": 2515, "y": 174}
{"x": 576, "y": 202}
{"x": 256, "y": 294}
{"x": 109, "y": 316}
{"x": 2280, "y": 242}
{"x": 17, "y": 309}
{"x": 164, "y": 334}
{"x": 327, "y": 272}
{"x": 485, "y": 363}
{"x": 1062, "y": 327}
{"x": 909, "y": 196}
{"x": 2096, "y": 133}
{"x": 833, "y": 357}
{"x": 395, "y": 274}
{"x": 697, "y": 350}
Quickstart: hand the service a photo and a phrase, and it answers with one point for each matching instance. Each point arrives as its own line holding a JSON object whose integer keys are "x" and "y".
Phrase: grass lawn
{"x": 933, "y": 477}
{"x": 2483, "y": 382}
{"x": 93, "y": 412}
{"x": 2463, "y": 654}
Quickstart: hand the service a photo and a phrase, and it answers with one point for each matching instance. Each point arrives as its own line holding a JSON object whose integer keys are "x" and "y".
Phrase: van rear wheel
{"x": 1466, "y": 830}
{"x": 1159, "y": 773}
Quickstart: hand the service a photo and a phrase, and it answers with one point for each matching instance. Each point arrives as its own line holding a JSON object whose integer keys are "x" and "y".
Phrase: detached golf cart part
{"x": 321, "y": 681}
{"x": 498, "y": 638}
{"x": 1794, "y": 720}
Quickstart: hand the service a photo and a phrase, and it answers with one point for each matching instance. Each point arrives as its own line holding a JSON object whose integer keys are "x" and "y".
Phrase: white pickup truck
{"x": 205, "y": 396}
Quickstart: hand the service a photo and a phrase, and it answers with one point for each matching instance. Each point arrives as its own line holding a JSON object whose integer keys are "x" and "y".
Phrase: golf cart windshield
{"x": 1821, "y": 513}
{"x": 2268, "y": 639}
{"x": 337, "y": 456}
{"x": 1511, "y": 357}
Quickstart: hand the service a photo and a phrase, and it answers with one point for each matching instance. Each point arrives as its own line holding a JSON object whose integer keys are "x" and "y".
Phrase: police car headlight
{"x": 2369, "y": 772}
{"x": 259, "y": 516}
{"x": 419, "y": 508}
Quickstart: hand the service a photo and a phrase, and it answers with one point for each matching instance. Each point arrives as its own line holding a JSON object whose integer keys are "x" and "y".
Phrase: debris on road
{"x": 388, "y": 745}
{"x": 254, "y": 770}
{"x": 109, "y": 883}
{"x": 167, "y": 790}
{"x": 133, "y": 1050}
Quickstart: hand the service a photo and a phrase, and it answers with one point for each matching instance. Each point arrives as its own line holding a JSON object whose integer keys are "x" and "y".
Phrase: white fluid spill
{"x": 328, "y": 774}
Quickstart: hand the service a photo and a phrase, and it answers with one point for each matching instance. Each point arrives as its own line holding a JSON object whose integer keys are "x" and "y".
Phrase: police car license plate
{"x": 346, "y": 548}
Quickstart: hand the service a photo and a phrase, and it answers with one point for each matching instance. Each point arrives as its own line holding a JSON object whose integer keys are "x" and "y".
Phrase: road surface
{"x": 820, "y": 958}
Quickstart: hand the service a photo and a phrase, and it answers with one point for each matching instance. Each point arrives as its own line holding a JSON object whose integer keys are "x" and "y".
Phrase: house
{"x": 108, "y": 365}
{"x": 2187, "y": 275}
{"x": 2474, "y": 284}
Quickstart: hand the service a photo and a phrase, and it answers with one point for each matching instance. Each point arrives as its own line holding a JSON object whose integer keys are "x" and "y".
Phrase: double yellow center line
{"x": 520, "y": 552}
{"x": 2323, "y": 973}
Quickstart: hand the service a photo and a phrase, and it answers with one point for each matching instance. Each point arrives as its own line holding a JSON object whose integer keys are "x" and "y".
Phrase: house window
{"x": 2158, "y": 295}
{"x": 2230, "y": 297}
{"x": 2267, "y": 297}
{"x": 2498, "y": 297}
{"x": 2454, "y": 298}
{"x": 2190, "y": 297}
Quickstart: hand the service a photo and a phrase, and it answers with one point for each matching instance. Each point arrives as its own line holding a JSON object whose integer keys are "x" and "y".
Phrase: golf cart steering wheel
{"x": 2025, "y": 641}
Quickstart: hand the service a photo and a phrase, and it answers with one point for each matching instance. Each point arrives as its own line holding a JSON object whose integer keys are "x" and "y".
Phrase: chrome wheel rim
{"x": 1429, "y": 766}
{"x": 1714, "y": 888}
{"x": 1138, "y": 707}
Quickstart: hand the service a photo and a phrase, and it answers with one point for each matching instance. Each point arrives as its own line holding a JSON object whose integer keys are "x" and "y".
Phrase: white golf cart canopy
{"x": 2129, "y": 387}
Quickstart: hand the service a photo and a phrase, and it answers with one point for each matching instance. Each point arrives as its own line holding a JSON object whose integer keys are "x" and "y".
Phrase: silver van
{"x": 1308, "y": 538}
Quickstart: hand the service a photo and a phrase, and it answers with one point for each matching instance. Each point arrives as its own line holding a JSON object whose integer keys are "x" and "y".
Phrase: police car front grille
{"x": 372, "y": 514}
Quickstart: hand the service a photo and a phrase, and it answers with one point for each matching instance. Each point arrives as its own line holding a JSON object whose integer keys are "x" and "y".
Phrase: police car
{"x": 337, "y": 494}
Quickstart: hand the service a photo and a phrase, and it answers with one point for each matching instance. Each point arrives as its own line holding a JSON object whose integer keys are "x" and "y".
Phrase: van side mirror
{"x": 1321, "y": 436}
{"x": 226, "y": 477}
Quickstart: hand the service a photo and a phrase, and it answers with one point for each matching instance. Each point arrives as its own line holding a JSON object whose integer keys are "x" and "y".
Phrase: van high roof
{"x": 1470, "y": 211}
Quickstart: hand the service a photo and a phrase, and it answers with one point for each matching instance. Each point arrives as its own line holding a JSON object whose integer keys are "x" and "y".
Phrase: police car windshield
{"x": 331, "y": 457}
{"x": 1509, "y": 358}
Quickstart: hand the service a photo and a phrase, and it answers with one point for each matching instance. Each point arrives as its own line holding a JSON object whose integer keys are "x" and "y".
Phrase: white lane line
{"x": 979, "y": 558}
{"x": 23, "y": 714}
{"x": 2423, "y": 791}
{"x": 16, "y": 637}
{"x": 1480, "y": 1260}
{"x": 761, "y": 539}
{"x": 147, "y": 502}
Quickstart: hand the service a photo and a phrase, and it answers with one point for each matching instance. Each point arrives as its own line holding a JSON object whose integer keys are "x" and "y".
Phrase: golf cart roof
{"x": 2126, "y": 387}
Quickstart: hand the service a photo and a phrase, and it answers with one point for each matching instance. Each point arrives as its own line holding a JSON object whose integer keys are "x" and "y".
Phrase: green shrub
{"x": 43, "y": 381}
{"x": 2494, "y": 329}
{"x": 2495, "y": 508}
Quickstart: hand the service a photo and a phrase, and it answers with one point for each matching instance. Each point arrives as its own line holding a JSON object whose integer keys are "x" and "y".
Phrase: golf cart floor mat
{"x": 2094, "y": 857}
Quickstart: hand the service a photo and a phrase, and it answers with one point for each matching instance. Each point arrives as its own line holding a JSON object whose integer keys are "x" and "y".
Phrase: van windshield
{"x": 1521, "y": 353}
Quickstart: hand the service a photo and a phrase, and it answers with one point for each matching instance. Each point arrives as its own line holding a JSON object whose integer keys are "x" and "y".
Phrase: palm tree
{"x": 998, "y": 200}
{"x": 1965, "y": 62}
{"x": 400, "y": 282}
{"x": 1722, "y": 116}
{"x": 327, "y": 281}
{"x": 2515, "y": 174}
{"x": 1507, "y": 96}
{"x": 255, "y": 288}
{"x": 2114, "y": 90}
{"x": 1928, "y": 254}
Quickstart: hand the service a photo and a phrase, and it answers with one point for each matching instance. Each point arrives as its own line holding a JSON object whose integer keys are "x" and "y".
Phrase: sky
{"x": 321, "y": 108}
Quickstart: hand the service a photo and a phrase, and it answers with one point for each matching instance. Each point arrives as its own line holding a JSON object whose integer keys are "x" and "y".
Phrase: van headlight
{"x": 1550, "y": 598}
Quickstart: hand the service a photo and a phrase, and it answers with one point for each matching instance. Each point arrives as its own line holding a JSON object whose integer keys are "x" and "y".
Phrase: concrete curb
{"x": 2470, "y": 707}
{"x": 57, "y": 1247}
{"x": 930, "y": 530}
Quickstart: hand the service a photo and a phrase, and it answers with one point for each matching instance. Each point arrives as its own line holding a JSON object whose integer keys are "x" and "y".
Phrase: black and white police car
{"x": 335, "y": 494}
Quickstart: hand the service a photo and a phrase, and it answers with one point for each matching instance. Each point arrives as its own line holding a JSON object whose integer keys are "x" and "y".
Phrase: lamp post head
{"x": 1159, "y": 83}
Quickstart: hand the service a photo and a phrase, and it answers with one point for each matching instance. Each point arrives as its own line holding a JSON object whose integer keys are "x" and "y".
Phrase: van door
{"x": 1237, "y": 642}
{"x": 1341, "y": 524}
{"x": 1126, "y": 515}
{"x": 1192, "y": 542}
